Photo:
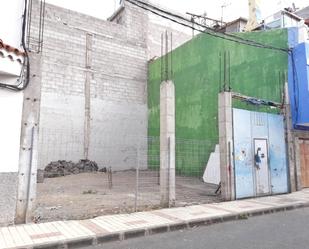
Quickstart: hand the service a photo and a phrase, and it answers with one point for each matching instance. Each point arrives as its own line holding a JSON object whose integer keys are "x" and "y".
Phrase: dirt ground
{"x": 88, "y": 195}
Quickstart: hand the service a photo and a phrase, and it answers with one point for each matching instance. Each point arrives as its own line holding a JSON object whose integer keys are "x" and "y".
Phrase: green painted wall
{"x": 196, "y": 74}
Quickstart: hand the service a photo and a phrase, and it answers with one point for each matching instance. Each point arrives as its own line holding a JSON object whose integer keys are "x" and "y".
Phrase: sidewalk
{"x": 70, "y": 234}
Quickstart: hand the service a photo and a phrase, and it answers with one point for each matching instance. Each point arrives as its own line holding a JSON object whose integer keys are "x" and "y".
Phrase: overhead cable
{"x": 192, "y": 25}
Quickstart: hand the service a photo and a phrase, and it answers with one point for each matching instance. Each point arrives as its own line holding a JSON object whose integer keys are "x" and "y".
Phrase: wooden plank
{"x": 304, "y": 162}
{"x": 307, "y": 163}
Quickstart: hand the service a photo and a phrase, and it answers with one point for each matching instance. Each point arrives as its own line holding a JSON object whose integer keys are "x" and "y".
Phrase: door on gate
{"x": 261, "y": 167}
{"x": 304, "y": 162}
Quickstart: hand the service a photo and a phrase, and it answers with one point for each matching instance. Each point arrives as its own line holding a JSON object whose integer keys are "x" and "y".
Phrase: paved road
{"x": 285, "y": 230}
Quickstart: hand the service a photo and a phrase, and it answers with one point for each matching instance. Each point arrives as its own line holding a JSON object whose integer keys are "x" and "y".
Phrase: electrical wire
{"x": 230, "y": 37}
{"x": 171, "y": 16}
{"x": 26, "y": 64}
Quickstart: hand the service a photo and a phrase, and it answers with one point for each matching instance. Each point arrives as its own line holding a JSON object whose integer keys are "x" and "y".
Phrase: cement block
{"x": 167, "y": 143}
{"x": 8, "y": 197}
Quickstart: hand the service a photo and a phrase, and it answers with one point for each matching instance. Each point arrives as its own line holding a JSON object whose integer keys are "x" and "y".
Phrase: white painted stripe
{"x": 8, "y": 238}
{"x": 106, "y": 225}
{"x": 153, "y": 219}
{"x": 3, "y": 243}
{"x": 83, "y": 230}
{"x": 59, "y": 226}
{"x": 103, "y": 225}
{"x": 127, "y": 220}
{"x": 75, "y": 226}
{"x": 18, "y": 240}
{"x": 68, "y": 228}
{"x": 115, "y": 223}
{"x": 23, "y": 235}
{"x": 37, "y": 230}
{"x": 44, "y": 228}
{"x": 51, "y": 228}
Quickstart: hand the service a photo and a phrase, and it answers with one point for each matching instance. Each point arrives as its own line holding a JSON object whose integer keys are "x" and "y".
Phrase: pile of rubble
{"x": 63, "y": 168}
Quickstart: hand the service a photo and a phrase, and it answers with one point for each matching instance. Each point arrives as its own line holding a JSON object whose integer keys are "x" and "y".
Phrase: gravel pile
{"x": 63, "y": 168}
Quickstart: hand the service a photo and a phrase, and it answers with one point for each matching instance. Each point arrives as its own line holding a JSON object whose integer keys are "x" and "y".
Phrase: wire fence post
{"x": 137, "y": 175}
{"x": 169, "y": 170}
{"x": 110, "y": 177}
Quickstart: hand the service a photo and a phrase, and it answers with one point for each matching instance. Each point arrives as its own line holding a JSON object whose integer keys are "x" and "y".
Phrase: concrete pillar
{"x": 28, "y": 156}
{"x": 226, "y": 146}
{"x": 89, "y": 38}
{"x": 167, "y": 143}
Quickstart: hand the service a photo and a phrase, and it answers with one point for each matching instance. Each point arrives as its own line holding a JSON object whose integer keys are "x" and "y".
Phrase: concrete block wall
{"x": 150, "y": 28}
{"x": 8, "y": 197}
{"x": 154, "y": 38}
{"x": 158, "y": 25}
{"x": 117, "y": 76}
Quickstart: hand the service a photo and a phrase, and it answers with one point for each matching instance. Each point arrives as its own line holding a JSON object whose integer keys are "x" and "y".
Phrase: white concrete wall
{"x": 11, "y": 104}
{"x": 10, "y": 124}
{"x": 212, "y": 169}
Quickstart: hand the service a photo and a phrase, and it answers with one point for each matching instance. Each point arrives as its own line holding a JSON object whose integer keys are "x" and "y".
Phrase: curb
{"x": 118, "y": 236}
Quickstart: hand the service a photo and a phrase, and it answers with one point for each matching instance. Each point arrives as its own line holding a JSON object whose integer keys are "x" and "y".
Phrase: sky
{"x": 213, "y": 8}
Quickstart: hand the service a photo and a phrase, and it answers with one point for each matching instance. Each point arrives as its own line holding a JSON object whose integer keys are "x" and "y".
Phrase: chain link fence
{"x": 191, "y": 160}
{"x": 127, "y": 178}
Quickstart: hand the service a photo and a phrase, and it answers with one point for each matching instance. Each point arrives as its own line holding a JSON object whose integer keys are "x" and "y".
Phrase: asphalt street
{"x": 284, "y": 230}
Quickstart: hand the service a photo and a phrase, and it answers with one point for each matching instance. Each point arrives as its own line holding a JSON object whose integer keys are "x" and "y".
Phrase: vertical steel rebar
{"x": 161, "y": 60}
{"x": 192, "y": 21}
{"x": 110, "y": 178}
{"x": 171, "y": 55}
{"x": 220, "y": 71}
{"x": 224, "y": 71}
{"x": 279, "y": 84}
{"x": 229, "y": 69}
{"x": 166, "y": 56}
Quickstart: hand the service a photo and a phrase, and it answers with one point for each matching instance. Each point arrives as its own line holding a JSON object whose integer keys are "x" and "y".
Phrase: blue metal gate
{"x": 260, "y": 164}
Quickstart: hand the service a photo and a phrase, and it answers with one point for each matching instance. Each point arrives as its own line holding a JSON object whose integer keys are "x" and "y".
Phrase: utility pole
{"x": 224, "y": 5}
